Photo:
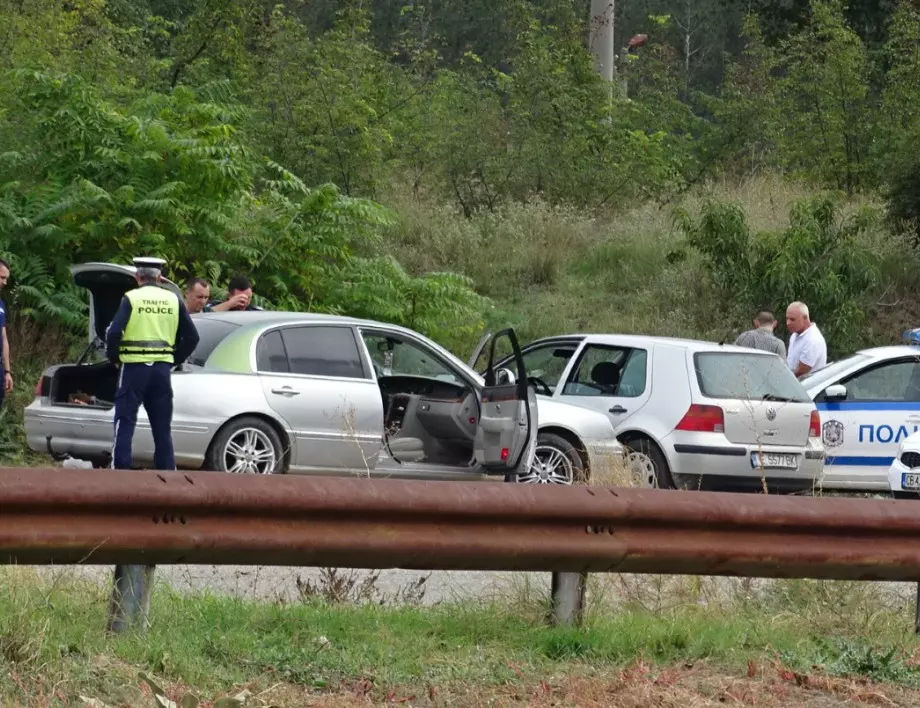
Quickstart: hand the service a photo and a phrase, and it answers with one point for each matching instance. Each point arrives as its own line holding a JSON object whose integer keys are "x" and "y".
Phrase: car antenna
{"x": 727, "y": 335}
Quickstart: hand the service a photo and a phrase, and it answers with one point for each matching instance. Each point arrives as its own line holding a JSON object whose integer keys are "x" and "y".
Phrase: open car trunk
{"x": 107, "y": 284}
{"x": 84, "y": 385}
{"x": 94, "y": 384}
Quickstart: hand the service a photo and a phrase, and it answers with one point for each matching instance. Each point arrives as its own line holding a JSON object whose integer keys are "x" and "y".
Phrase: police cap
{"x": 149, "y": 262}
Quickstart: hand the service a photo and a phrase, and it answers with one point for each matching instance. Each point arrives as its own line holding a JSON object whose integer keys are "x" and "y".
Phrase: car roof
{"x": 694, "y": 345}
{"x": 890, "y": 352}
{"x": 269, "y": 317}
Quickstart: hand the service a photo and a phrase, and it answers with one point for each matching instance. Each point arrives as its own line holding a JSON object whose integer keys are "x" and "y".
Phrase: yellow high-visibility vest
{"x": 150, "y": 334}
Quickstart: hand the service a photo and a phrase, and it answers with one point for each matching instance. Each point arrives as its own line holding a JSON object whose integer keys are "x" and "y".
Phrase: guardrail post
{"x": 567, "y": 601}
{"x": 917, "y": 612}
{"x": 130, "y": 603}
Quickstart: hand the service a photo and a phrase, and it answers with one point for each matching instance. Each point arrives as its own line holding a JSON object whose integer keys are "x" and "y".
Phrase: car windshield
{"x": 211, "y": 333}
{"x": 756, "y": 377}
{"x": 819, "y": 377}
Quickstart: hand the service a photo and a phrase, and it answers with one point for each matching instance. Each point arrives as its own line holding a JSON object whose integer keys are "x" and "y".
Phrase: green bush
{"x": 170, "y": 175}
{"x": 822, "y": 258}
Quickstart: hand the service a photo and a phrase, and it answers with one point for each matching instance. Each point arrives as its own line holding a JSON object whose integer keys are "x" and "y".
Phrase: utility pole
{"x": 601, "y": 40}
{"x": 601, "y": 37}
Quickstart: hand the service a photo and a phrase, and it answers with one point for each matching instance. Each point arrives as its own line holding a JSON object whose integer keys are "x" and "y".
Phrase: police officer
{"x": 149, "y": 335}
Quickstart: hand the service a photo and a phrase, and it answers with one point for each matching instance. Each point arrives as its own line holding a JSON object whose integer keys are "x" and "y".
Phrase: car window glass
{"x": 825, "y": 374}
{"x": 547, "y": 363}
{"x": 608, "y": 371}
{"x": 270, "y": 354}
{"x": 632, "y": 380}
{"x": 747, "y": 377}
{"x": 393, "y": 356}
{"x": 323, "y": 351}
{"x": 897, "y": 381}
{"x": 210, "y": 333}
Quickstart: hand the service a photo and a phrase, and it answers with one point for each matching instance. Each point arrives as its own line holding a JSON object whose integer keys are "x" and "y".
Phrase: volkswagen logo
{"x": 771, "y": 413}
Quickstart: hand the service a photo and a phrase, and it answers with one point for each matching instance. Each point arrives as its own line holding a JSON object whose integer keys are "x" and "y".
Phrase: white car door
{"x": 865, "y": 415}
{"x": 612, "y": 379}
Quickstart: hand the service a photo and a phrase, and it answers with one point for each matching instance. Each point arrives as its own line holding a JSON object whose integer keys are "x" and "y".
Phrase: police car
{"x": 869, "y": 405}
{"x": 904, "y": 473}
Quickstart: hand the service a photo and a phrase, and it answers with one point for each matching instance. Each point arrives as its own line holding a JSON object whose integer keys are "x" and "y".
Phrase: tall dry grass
{"x": 553, "y": 269}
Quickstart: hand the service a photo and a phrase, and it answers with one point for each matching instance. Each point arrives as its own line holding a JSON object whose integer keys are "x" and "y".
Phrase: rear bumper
{"x": 88, "y": 434}
{"x": 718, "y": 464}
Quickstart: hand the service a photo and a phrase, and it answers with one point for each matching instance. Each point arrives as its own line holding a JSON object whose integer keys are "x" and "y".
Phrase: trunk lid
{"x": 762, "y": 400}
{"x": 107, "y": 284}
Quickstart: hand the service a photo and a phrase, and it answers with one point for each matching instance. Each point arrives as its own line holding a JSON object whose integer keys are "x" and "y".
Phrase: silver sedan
{"x": 276, "y": 392}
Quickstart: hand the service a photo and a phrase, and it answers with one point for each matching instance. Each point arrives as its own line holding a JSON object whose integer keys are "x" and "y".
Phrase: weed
{"x": 855, "y": 657}
{"x": 336, "y": 586}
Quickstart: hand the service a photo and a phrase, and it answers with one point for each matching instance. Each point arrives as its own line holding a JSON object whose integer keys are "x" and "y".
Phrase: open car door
{"x": 506, "y": 437}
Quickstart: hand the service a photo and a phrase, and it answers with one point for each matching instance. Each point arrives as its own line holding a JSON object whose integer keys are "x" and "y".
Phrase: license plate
{"x": 910, "y": 480}
{"x": 774, "y": 460}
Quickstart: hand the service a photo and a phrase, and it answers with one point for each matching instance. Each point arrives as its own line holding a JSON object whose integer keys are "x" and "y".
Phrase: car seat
{"x": 606, "y": 375}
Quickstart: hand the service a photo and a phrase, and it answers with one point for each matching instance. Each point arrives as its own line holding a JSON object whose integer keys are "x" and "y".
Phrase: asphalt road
{"x": 291, "y": 584}
{"x": 655, "y": 593}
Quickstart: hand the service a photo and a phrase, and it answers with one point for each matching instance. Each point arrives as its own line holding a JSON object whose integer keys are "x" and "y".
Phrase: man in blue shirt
{"x": 5, "y": 357}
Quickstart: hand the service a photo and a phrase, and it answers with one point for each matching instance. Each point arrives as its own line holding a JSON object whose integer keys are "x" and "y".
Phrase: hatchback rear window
{"x": 740, "y": 376}
{"x": 211, "y": 333}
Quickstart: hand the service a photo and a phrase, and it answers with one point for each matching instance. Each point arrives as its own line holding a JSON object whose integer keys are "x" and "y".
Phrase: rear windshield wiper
{"x": 774, "y": 397}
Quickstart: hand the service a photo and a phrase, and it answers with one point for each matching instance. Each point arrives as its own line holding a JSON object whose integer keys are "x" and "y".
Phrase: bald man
{"x": 807, "y": 348}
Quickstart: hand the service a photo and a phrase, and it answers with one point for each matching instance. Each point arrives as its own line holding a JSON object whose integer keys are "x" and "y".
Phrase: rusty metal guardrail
{"x": 106, "y": 516}
{"x": 146, "y": 517}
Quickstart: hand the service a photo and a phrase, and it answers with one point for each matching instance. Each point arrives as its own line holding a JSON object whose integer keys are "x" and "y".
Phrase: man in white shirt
{"x": 807, "y": 348}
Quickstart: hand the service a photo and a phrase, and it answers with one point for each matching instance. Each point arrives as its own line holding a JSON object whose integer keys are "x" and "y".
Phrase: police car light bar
{"x": 911, "y": 336}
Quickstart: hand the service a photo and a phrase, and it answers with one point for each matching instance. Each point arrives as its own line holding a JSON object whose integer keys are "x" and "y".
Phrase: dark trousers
{"x": 148, "y": 385}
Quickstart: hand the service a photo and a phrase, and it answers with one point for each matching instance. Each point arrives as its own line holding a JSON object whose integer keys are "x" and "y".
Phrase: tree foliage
{"x": 249, "y": 136}
{"x": 170, "y": 175}
{"x": 820, "y": 259}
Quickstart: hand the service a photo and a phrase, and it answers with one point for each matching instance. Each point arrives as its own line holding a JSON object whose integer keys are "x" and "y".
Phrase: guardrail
{"x": 146, "y": 517}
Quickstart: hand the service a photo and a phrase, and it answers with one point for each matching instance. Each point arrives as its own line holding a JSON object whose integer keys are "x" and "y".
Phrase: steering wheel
{"x": 540, "y": 383}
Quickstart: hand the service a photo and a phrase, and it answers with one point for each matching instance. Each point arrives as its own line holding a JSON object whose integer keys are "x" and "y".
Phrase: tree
{"x": 171, "y": 175}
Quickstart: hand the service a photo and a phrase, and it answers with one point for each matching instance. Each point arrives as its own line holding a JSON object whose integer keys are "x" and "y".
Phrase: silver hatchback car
{"x": 691, "y": 414}
{"x": 268, "y": 392}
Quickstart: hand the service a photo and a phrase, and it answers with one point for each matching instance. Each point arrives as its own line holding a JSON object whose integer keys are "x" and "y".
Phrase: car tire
{"x": 647, "y": 464}
{"x": 555, "y": 458}
{"x": 247, "y": 445}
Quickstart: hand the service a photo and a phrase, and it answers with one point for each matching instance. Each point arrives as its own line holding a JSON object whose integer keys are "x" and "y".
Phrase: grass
{"x": 54, "y": 650}
{"x": 554, "y": 269}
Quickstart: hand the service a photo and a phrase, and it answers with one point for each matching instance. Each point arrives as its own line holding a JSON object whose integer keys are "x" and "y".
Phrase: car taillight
{"x": 703, "y": 419}
{"x": 814, "y": 425}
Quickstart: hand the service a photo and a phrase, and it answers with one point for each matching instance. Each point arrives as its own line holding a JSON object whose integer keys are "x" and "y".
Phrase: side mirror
{"x": 505, "y": 377}
{"x": 836, "y": 392}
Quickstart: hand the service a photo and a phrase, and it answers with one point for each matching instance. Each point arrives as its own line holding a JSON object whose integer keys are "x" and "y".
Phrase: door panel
{"x": 613, "y": 380}
{"x": 507, "y": 432}
{"x": 312, "y": 377}
{"x": 862, "y": 431}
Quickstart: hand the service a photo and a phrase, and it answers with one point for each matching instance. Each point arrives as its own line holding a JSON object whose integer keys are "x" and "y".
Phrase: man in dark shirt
{"x": 762, "y": 337}
{"x": 239, "y": 294}
{"x": 5, "y": 356}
